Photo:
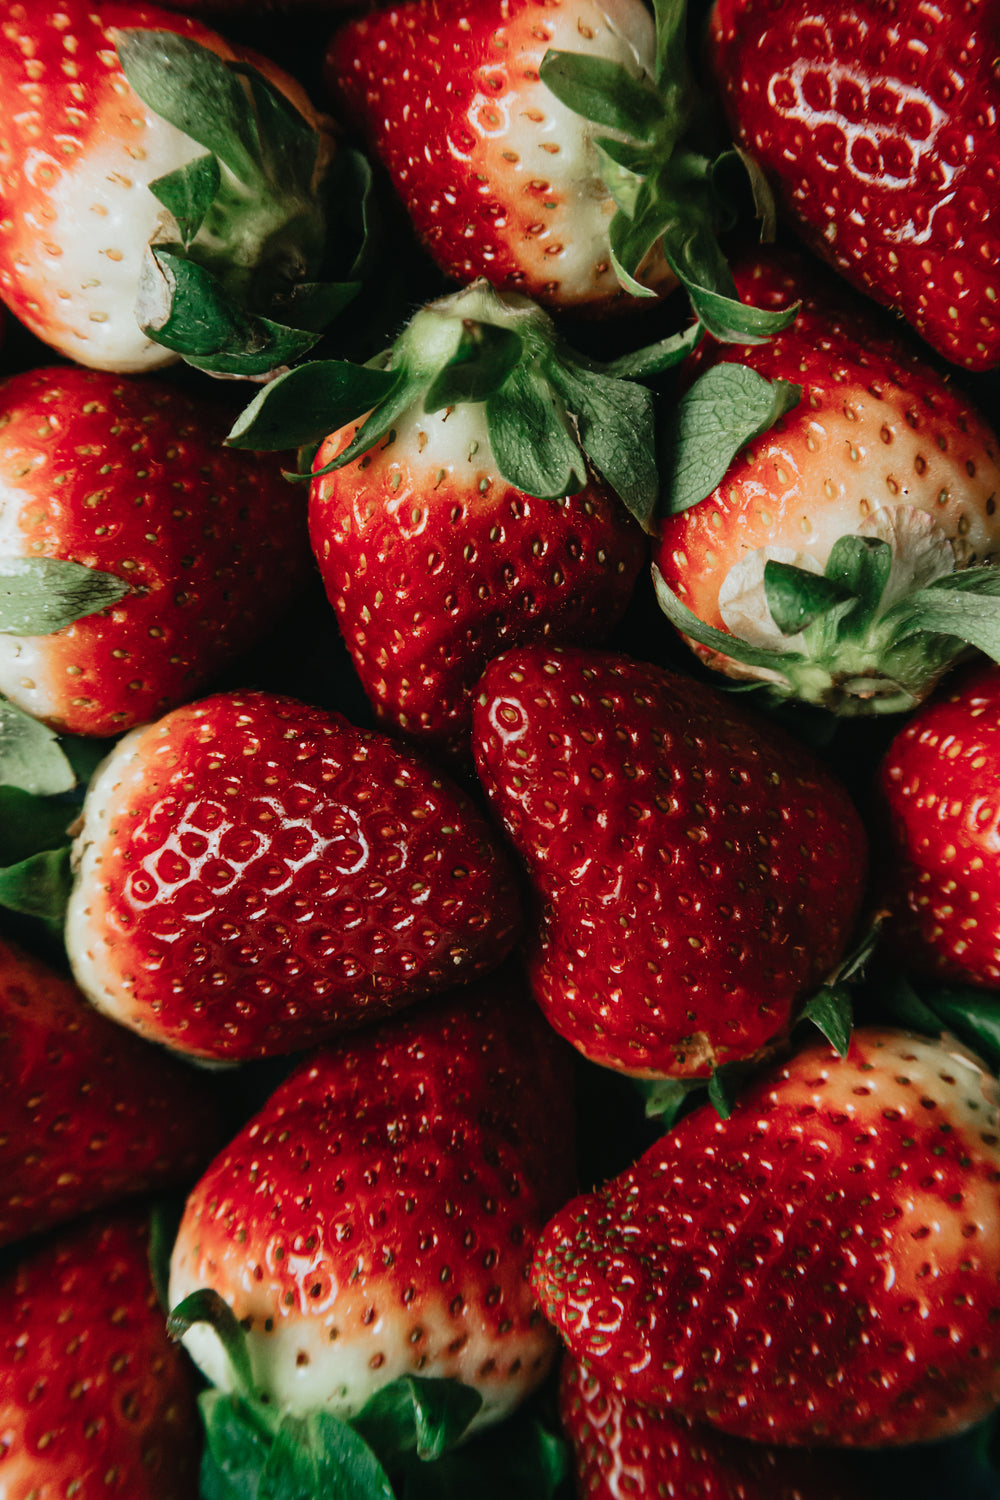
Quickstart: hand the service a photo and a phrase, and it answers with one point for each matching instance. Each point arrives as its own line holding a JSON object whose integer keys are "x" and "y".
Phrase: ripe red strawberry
{"x": 822, "y": 1267}
{"x": 439, "y": 546}
{"x": 378, "y": 1217}
{"x": 94, "y": 1398}
{"x": 93, "y": 175}
{"x": 875, "y": 126}
{"x": 547, "y": 145}
{"x": 697, "y": 873}
{"x": 130, "y": 478}
{"x": 622, "y": 1448}
{"x": 841, "y": 557}
{"x": 88, "y": 1113}
{"x": 255, "y": 875}
{"x": 938, "y": 790}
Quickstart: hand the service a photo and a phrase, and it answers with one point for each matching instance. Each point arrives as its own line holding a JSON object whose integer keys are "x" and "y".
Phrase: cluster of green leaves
{"x": 666, "y": 191}
{"x": 237, "y": 291}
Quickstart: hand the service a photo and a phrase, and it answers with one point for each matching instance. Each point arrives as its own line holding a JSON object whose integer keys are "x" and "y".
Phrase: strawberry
{"x": 178, "y": 210}
{"x": 94, "y": 1398}
{"x": 378, "y": 1217}
{"x": 125, "y": 484}
{"x": 622, "y": 1448}
{"x": 477, "y": 502}
{"x": 89, "y": 1114}
{"x": 547, "y": 145}
{"x": 937, "y": 796}
{"x": 822, "y": 1267}
{"x": 254, "y": 875}
{"x": 875, "y": 127}
{"x": 843, "y": 556}
{"x": 697, "y": 873}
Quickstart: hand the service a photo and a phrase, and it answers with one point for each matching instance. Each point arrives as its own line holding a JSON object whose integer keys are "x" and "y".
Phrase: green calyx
{"x": 858, "y": 642}
{"x": 666, "y": 191}
{"x": 236, "y": 289}
{"x": 549, "y": 412}
{"x": 411, "y": 1437}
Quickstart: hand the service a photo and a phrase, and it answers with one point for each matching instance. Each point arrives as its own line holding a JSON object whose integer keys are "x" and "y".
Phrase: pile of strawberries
{"x": 500, "y": 787}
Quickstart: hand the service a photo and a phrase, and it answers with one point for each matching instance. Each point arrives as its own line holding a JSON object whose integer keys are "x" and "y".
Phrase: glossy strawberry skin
{"x": 89, "y": 1114}
{"x": 435, "y": 564}
{"x": 622, "y": 1448}
{"x": 876, "y": 127}
{"x": 378, "y": 1217}
{"x": 499, "y": 178}
{"x": 77, "y": 161}
{"x": 820, "y": 1268}
{"x": 697, "y": 874}
{"x": 130, "y": 477}
{"x": 94, "y": 1398}
{"x": 256, "y": 875}
{"x": 936, "y": 786}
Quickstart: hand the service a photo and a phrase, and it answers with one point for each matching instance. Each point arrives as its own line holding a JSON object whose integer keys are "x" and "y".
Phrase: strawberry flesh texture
{"x": 622, "y": 1448}
{"x": 89, "y": 1114}
{"x": 822, "y": 1267}
{"x": 94, "y": 1397}
{"x": 876, "y": 426}
{"x": 258, "y": 875}
{"x": 378, "y": 1217}
{"x": 499, "y": 178}
{"x": 937, "y": 795}
{"x": 434, "y": 564}
{"x": 876, "y": 127}
{"x": 130, "y": 477}
{"x": 698, "y": 874}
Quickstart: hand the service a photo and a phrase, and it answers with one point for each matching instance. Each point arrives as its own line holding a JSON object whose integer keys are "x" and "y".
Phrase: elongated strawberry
{"x": 875, "y": 128}
{"x": 937, "y": 788}
{"x": 190, "y": 184}
{"x": 547, "y": 145}
{"x": 120, "y": 499}
{"x": 378, "y": 1217}
{"x": 88, "y": 1113}
{"x": 846, "y": 556}
{"x": 623, "y": 1448}
{"x": 697, "y": 874}
{"x": 94, "y": 1398}
{"x": 822, "y": 1267}
{"x": 255, "y": 875}
{"x": 479, "y": 504}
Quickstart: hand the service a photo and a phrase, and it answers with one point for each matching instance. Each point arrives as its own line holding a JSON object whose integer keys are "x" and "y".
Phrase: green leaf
{"x": 206, "y": 1306}
{"x": 936, "y": 610}
{"x": 414, "y": 1415}
{"x": 831, "y": 1012}
{"x": 796, "y": 597}
{"x": 696, "y": 260}
{"x": 406, "y": 390}
{"x": 313, "y": 305}
{"x": 40, "y": 595}
{"x": 195, "y": 90}
{"x": 666, "y": 1097}
{"x": 517, "y": 1458}
{"x": 654, "y": 359}
{"x": 30, "y": 824}
{"x": 861, "y": 566}
{"x": 725, "y": 409}
{"x": 603, "y": 91}
{"x": 30, "y": 755}
{"x": 724, "y": 1086}
{"x": 614, "y": 420}
{"x": 289, "y": 145}
{"x": 308, "y": 403}
{"x": 39, "y": 886}
{"x": 671, "y": 44}
{"x": 631, "y": 236}
{"x": 485, "y": 358}
{"x": 531, "y": 439}
{"x": 238, "y": 1437}
{"x": 317, "y": 1456}
{"x": 970, "y": 1014}
{"x": 188, "y": 193}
